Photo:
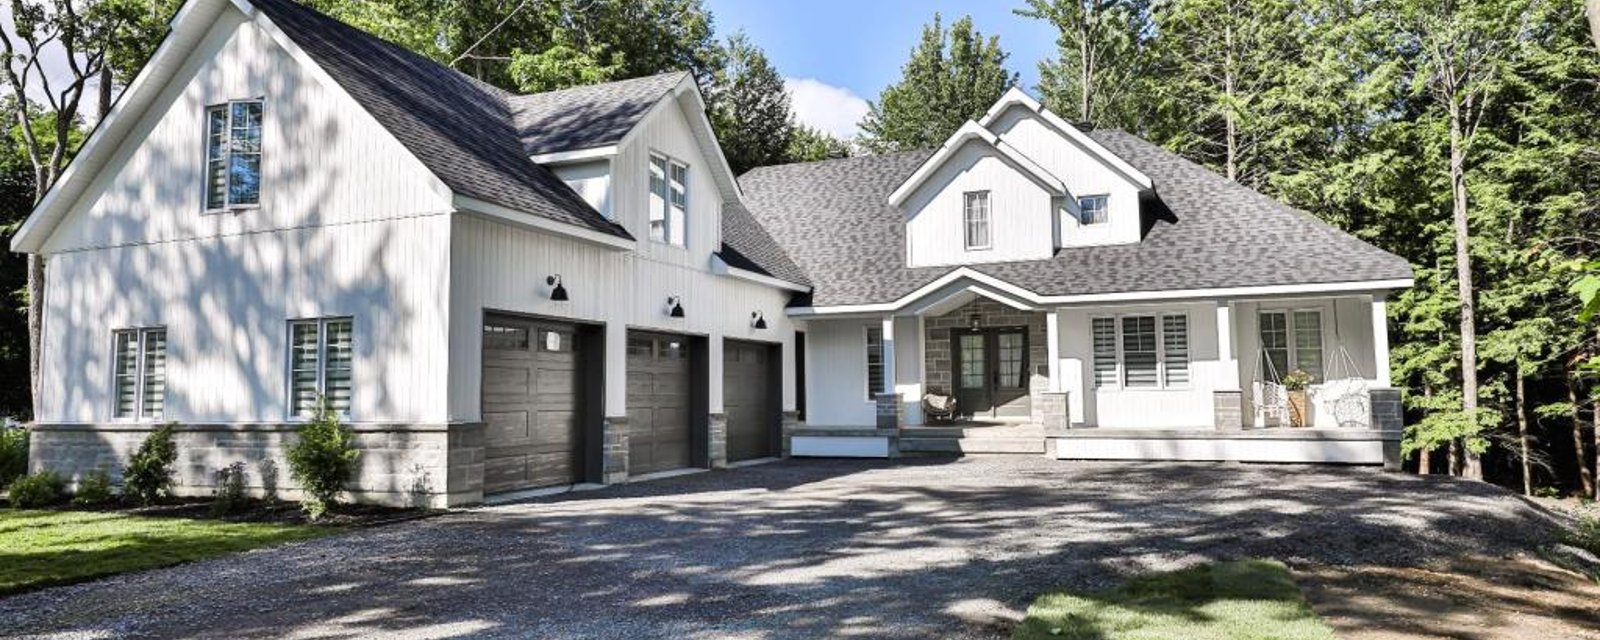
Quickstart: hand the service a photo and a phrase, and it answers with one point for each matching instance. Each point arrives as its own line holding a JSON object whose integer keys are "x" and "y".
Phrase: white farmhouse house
{"x": 500, "y": 292}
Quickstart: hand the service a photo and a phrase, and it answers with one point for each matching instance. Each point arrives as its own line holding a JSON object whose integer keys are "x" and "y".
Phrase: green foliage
{"x": 229, "y": 496}
{"x": 1297, "y": 380}
{"x": 752, "y": 116}
{"x": 1585, "y": 534}
{"x": 36, "y": 490}
{"x": 1103, "y": 61}
{"x": 94, "y": 489}
{"x": 561, "y": 65}
{"x": 810, "y": 144}
{"x": 952, "y": 76}
{"x": 13, "y": 454}
{"x": 322, "y": 460}
{"x": 1587, "y": 288}
{"x": 148, "y": 476}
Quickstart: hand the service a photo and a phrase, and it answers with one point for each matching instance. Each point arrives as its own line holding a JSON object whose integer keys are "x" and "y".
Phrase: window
{"x": 233, "y": 155}
{"x": 141, "y": 373}
{"x": 874, "y": 361}
{"x": 1141, "y": 351}
{"x": 669, "y": 199}
{"x": 1291, "y": 340}
{"x": 976, "y": 216}
{"x": 1094, "y": 209}
{"x": 320, "y": 357}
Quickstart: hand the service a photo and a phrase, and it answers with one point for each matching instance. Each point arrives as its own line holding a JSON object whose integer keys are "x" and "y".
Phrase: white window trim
{"x": 205, "y": 154}
{"x": 1289, "y": 335}
{"x": 322, "y": 364}
{"x": 1162, "y": 384}
{"x": 1089, "y": 222}
{"x": 666, "y": 198}
{"x": 141, "y": 333}
{"x": 988, "y": 221}
{"x": 866, "y": 361}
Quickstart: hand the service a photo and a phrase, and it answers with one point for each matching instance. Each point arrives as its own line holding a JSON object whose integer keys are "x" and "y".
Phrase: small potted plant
{"x": 1296, "y": 382}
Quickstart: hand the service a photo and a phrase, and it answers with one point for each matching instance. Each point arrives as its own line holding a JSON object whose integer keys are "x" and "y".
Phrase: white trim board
{"x": 969, "y": 132}
{"x": 517, "y": 218}
{"x": 721, "y": 267}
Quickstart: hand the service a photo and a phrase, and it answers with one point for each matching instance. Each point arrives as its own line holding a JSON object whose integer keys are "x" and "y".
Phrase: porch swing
{"x": 1344, "y": 389}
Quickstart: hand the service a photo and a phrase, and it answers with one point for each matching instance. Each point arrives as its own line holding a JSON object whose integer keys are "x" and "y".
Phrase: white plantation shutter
{"x": 217, "y": 157}
{"x": 321, "y": 353}
{"x": 127, "y": 373}
{"x": 874, "y": 361}
{"x": 153, "y": 369}
{"x": 1105, "y": 351}
{"x": 1139, "y": 352}
{"x": 303, "y": 365}
{"x": 337, "y": 356}
{"x": 1175, "y": 348}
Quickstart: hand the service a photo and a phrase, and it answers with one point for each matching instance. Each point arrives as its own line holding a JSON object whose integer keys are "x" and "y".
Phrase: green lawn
{"x": 43, "y": 548}
{"x": 1246, "y": 600}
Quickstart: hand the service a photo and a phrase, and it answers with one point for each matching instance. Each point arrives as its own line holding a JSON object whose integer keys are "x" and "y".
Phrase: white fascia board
{"x": 1031, "y": 298}
{"x": 974, "y": 131}
{"x": 513, "y": 217}
{"x": 189, "y": 23}
{"x": 1015, "y": 96}
{"x": 699, "y": 125}
{"x": 576, "y": 155}
{"x": 721, "y": 267}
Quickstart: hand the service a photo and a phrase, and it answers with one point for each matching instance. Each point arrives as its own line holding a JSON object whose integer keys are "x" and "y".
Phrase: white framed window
{"x": 1141, "y": 351}
{"x": 669, "y": 200}
{"x": 1290, "y": 340}
{"x": 874, "y": 362}
{"x": 975, "y": 218}
{"x": 140, "y": 373}
{"x": 233, "y": 155}
{"x": 321, "y": 354}
{"x": 1094, "y": 210}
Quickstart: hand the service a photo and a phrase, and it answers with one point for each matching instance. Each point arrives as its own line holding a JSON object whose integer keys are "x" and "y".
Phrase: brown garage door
{"x": 658, "y": 402}
{"x": 747, "y": 385}
{"x": 531, "y": 400}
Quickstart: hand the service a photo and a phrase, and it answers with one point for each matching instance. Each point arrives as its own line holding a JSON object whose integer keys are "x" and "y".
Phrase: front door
{"x": 991, "y": 367}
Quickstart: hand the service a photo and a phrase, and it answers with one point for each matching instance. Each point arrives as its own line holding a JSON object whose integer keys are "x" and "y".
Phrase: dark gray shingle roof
{"x": 745, "y": 245}
{"x": 588, "y": 116}
{"x": 461, "y": 129}
{"x": 834, "y": 220}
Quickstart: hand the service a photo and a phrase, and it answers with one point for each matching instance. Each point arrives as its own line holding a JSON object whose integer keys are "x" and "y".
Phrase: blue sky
{"x": 839, "y": 53}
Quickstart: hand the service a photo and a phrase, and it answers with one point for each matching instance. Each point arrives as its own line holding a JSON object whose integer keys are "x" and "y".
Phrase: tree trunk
{"x": 1595, "y": 432}
{"x": 1085, "y": 70}
{"x": 1471, "y": 466}
{"x": 1585, "y": 481}
{"x": 1594, "y": 21}
{"x": 1227, "y": 112}
{"x": 1425, "y": 455}
{"x": 1522, "y": 433}
{"x": 104, "y": 103}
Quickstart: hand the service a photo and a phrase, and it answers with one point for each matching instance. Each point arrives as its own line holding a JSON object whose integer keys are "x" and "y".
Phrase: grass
{"x": 1244, "y": 600}
{"x": 45, "y": 548}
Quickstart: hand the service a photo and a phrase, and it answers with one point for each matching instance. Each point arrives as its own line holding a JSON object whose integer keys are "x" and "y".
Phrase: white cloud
{"x": 818, "y": 104}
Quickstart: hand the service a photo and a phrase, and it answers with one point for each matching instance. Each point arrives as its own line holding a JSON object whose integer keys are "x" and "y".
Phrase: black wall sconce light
{"x": 758, "y": 320}
{"x": 674, "y": 307}
{"x": 977, "y": 322}
{"x": 559, "y": 293}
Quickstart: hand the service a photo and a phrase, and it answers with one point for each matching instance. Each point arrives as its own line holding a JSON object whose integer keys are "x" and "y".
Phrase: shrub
{"x": 41, "y": 489}
{"x": 13, "y": 454}
{"x": 322, "y": 460}
{"x": 1585, "y": 536}
{"x": 230, "y": 490}
{"x": 148, "y": 476}
{"x": 94, "y": 488}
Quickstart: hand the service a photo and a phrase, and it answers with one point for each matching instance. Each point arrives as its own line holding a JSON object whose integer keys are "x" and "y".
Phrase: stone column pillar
{"x": 1228, "y": 409}
{"x": 889, "y": 410}
{"x": 1386, "y": 411}
{"x": 791, "y": 422}
{"x": 717, "y": 455}
{"x": 614, "y": 451}
{"x": 1054, "y": 411}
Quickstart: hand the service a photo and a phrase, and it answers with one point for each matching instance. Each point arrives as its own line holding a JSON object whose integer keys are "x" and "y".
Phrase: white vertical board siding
{"x": 908, "y": 366}
{"x": 496, "y": 267}
{"x": 1188, "y": 406}
{"x": 324, "y": 161}
{"x": 591, "y": 180}
{"x": 667, "y": 132}
{"x": 836, "y": 373}
{"x": 1020, "y": 212}
{"x": 1083, "y": 173}
{"x": 226, "y": 303}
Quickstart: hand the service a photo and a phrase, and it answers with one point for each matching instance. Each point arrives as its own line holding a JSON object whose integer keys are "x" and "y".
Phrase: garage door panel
{"x": 508, "y": 426}
{"x": 531, "y": 399}
{"x": 747, "y": 384}
{"x": 659, "y": 385}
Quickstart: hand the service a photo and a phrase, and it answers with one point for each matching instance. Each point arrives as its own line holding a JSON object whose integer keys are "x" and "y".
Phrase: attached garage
{"x": 660, "y": 387}
{"x": 750, "y": 392}
{"x": 533, "y": 403}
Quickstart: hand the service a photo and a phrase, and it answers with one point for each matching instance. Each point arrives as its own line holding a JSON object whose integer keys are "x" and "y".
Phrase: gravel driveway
{"x": 799, "y": 549}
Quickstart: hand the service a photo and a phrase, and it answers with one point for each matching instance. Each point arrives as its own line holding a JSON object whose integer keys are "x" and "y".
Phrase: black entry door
{"x": 991, "y": 372}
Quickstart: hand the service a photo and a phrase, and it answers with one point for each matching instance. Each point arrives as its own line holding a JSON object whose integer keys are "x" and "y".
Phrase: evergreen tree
{"x": 1102, "y": 61}
{"x": 952, "y": 76}
{"x": 751, "y": 115}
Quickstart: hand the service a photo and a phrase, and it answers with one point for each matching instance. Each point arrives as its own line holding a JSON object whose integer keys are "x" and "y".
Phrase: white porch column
{"x": 888, "y": 355}
{"x": 714, "y": 372}
{"x": 1052, "y": 339}
{"x": 616, "y": 372}
{"x": 1380, "y": 340}
{"x": 1228, "y": 378}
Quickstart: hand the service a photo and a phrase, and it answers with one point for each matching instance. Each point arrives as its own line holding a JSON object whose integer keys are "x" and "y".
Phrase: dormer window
{"x": 1094, "y": 209}
{"x": 976, "y": 218}
{"x": 233, "y": 155}
{"x": 669, "y": 199}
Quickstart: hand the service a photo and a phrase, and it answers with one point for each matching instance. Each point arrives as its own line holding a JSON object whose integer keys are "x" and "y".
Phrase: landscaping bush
{"x": 13, "y": 454}
{"x": 230, "y": 490}
{"x": 1586, "y": 535}
{"x": 322, "y": 460}
{"x": 41, "y": 489}
{"x": 94, "y": 488}
{"x": 148, "y": 476}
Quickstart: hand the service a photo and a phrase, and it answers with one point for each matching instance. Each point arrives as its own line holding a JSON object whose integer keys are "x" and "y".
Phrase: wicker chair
{"x": 938, "y": 406}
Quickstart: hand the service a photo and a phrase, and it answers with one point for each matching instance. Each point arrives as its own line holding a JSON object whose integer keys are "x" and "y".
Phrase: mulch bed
{"x": 262, "y": 511}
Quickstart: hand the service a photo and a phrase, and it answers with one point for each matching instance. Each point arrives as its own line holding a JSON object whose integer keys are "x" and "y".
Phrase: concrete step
{"x": 922, "y": 444}
{"x": 1022, "y": 431}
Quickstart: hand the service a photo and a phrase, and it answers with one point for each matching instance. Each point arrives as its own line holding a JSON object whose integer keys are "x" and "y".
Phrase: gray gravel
{"x": 800, "y": 549}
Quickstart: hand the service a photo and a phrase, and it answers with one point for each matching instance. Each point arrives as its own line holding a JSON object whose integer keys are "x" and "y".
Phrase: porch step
{"x": 992, "y": 444}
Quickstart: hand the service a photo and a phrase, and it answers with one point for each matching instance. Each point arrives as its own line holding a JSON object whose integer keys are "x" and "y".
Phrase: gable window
{"x": 320, "y": 353}
{"x": 140, "y": 372}
{"x": 1094, "y": 210}
{"x": 975, "y": 214}
{"x": 669, "y": 199}
{"x": 233, "y": 155}
{"x": 1291, "y": 340}
{"x": 874, "y": 361}
{"x": 1141, "y": 351}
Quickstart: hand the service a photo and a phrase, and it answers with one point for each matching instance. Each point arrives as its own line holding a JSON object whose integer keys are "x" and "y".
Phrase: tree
{"x": 810, "y": 144}
{"x": 752, "y": 116}
{"x": 1101, "y": 58}
{"x": 952, "y": 76}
